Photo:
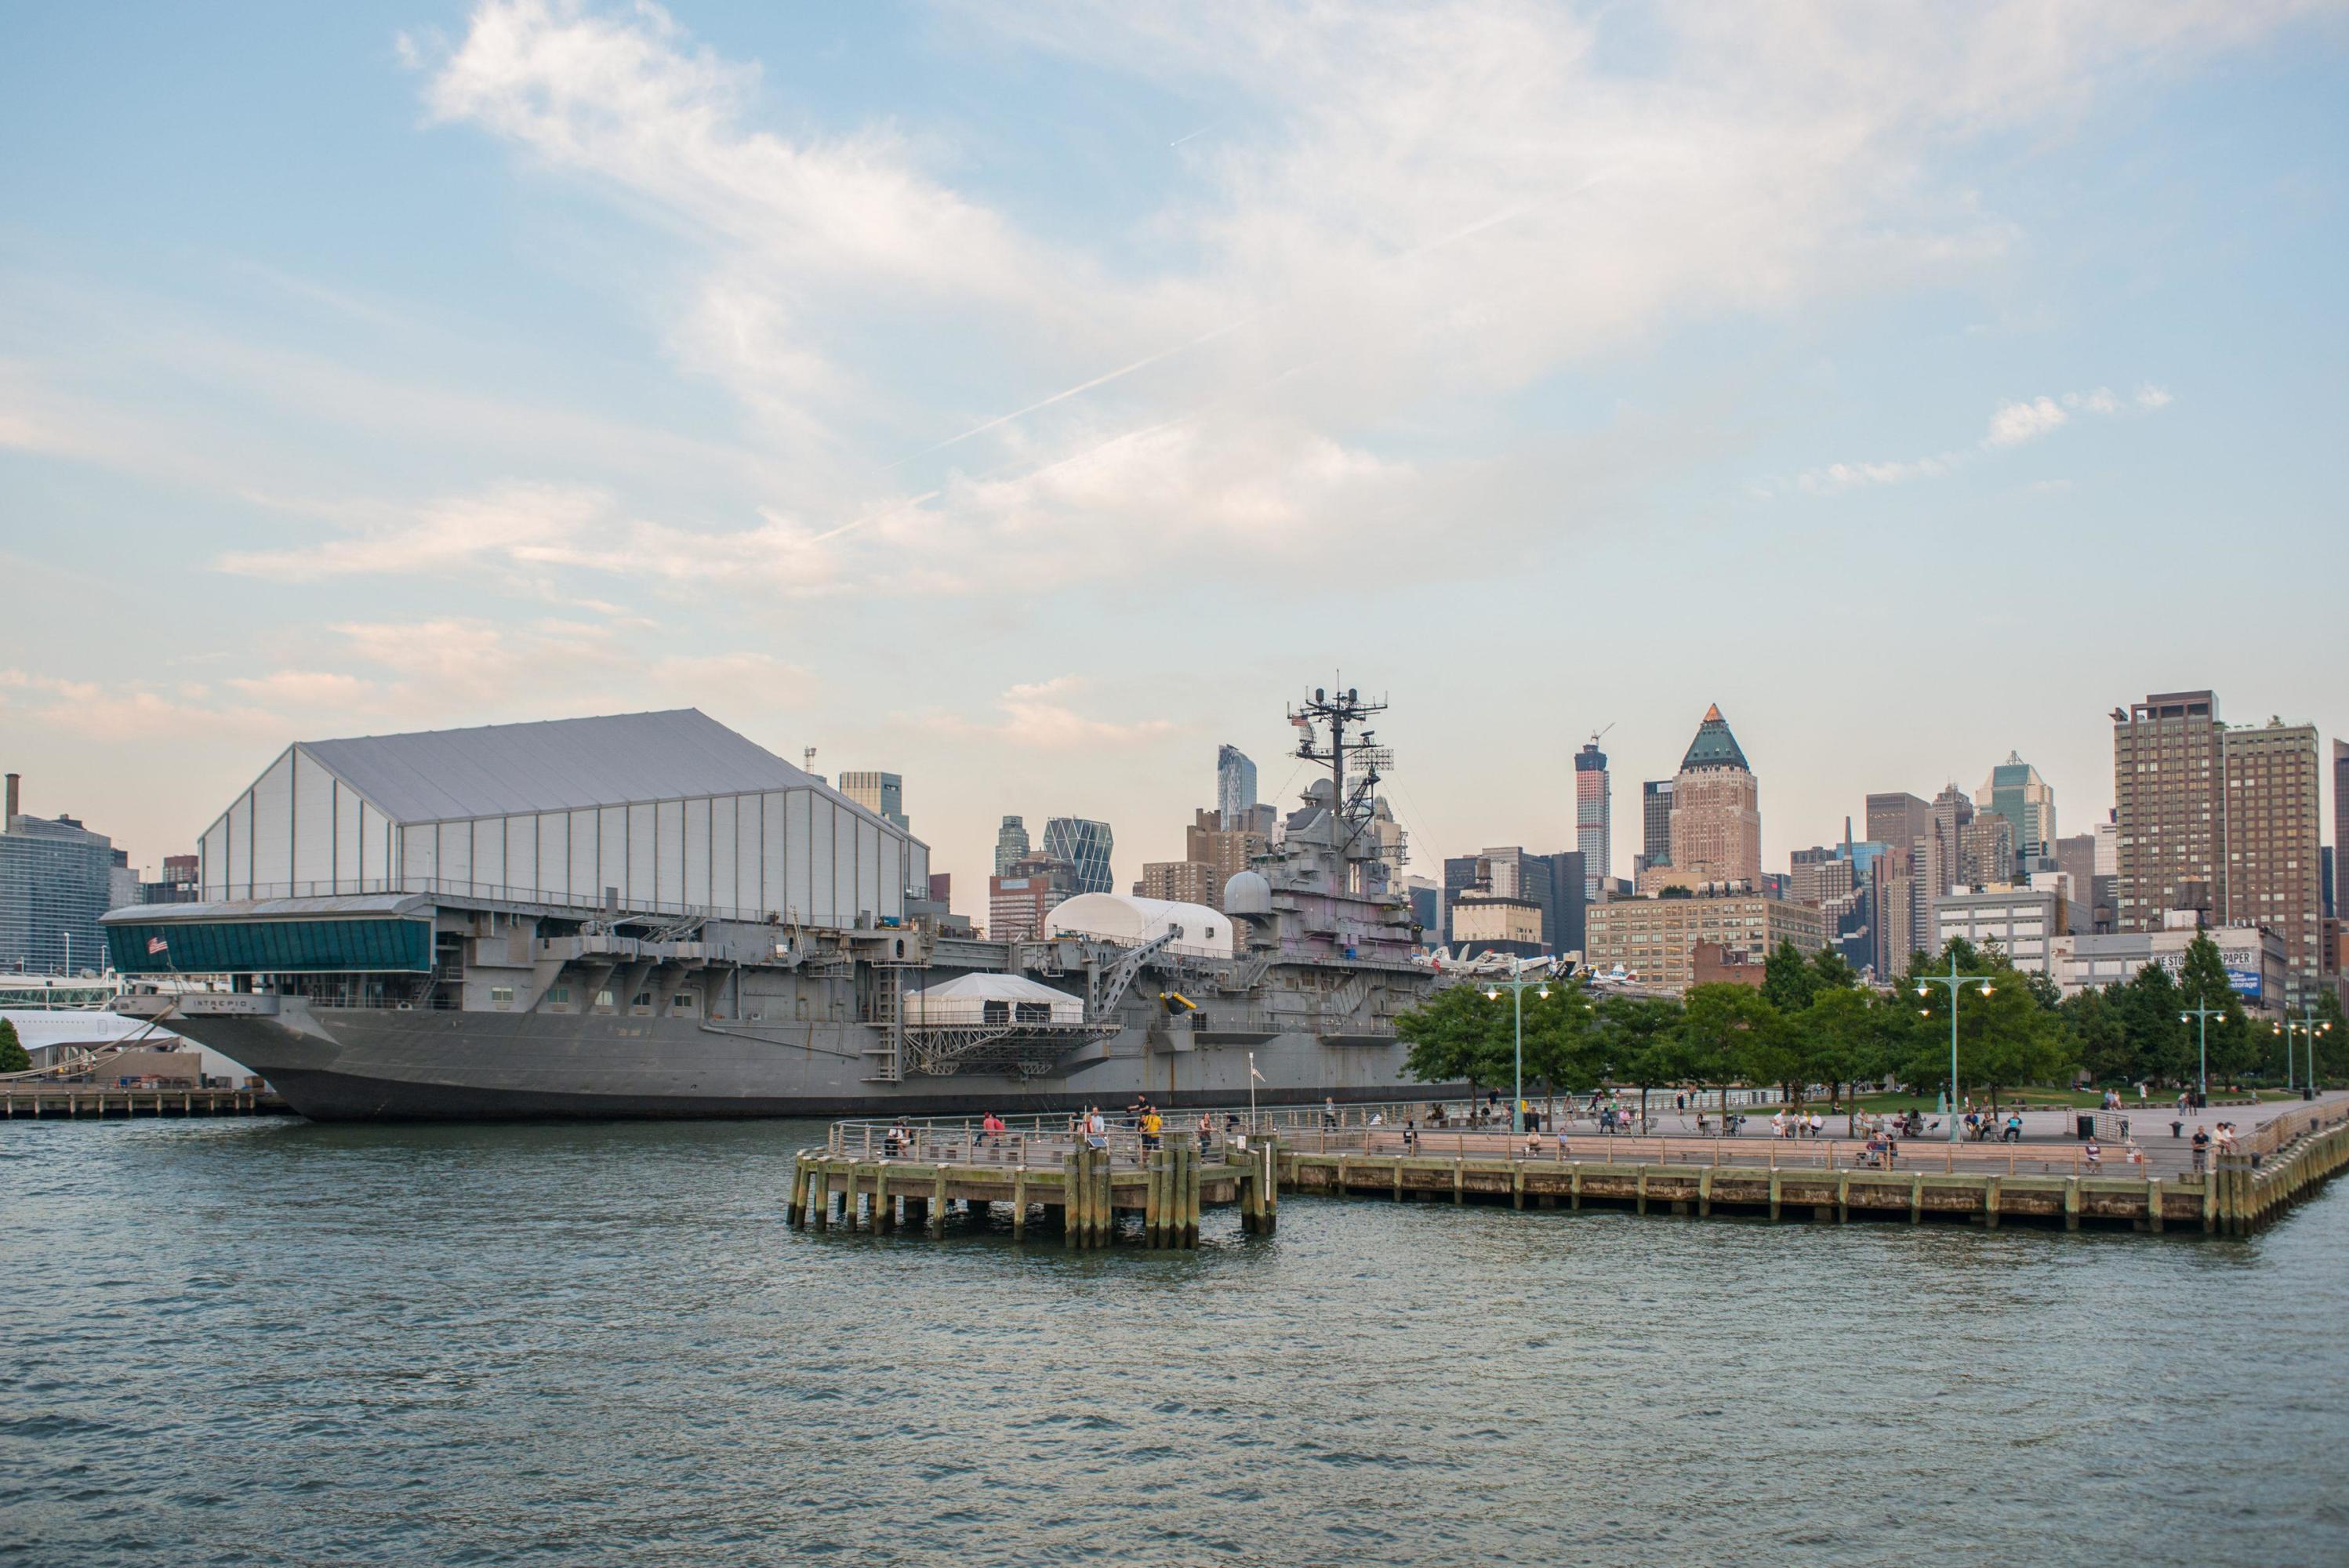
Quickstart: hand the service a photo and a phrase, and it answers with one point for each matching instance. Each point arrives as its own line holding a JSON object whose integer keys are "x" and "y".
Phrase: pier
{"x": 888, "y": 1176}
{"x": 76, "y": 1100}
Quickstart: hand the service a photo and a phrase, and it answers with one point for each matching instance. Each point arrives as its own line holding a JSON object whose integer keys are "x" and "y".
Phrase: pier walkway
{"x": 910, "y": 1173}
{"x": 74, "y": 1100}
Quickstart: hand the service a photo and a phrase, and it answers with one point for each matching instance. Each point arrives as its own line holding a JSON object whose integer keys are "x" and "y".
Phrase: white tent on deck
{"x": 986, "y": 999}
{"x": 1131, "y": 920}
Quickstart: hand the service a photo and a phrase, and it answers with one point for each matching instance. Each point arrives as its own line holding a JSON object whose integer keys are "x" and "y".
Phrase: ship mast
{"x": 1349, "y": 815}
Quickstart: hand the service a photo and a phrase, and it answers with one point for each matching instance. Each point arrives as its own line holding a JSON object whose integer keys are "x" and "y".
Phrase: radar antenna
{"x": 1342, "y": 711}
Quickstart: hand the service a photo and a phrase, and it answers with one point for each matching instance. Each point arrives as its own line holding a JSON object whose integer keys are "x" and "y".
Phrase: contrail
{"x": 1102, "y": 380}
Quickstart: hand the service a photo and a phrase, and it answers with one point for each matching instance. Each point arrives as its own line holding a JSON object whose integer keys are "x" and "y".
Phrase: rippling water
{"x": 270, "y": 1342}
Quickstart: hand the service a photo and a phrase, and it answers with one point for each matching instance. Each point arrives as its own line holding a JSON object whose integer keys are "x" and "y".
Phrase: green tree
{"x": 2202, "y": 982}
{"x": 2161, "y": 1045}
{"x": 1840, "y": 1038}
{"x": 1457, "y": 1036}
{"x": 1640, "y": 1042}
{"x": 13, "y": 1059}
{"x": 1789, "y": 981}
{"x": 1733, "y": 1035}
{"x": 2005, "y": 1038}
{"x": 1830, "y": 969}
{"x": 1561, "y": 1041}
{"x": 2100, "y": 1035}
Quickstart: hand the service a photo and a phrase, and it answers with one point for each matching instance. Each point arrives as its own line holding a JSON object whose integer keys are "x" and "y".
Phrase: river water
{"x": 269, "y": 1342}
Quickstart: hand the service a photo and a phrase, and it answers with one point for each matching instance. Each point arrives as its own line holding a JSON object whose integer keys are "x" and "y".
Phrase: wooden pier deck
{"x": 76, "y": 1100}
{"x": 1086, "y": 1184}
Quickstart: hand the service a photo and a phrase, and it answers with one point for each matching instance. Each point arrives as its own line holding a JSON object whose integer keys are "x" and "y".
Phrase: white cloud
{"x": 1430, "y": 204}
{"x": 1038, "y": 716}
{"x": 517, "y": 522}
{"x": 2014, "y": 423}
{"x": 302, "y": 689}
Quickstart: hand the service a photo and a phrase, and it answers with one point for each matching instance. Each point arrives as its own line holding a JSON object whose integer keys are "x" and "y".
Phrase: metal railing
{"x": 1031, "y": 1146}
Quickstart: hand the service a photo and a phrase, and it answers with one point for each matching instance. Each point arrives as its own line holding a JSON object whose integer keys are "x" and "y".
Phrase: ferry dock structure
{"x": 73, "y": 1101}
{"x": 909, "y": 1174}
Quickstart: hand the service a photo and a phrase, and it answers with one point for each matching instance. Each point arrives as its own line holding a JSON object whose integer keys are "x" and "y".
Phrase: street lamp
{"x": 1516, "y": 984}
{"x": 2202, "y": 1013}
{"x": 1953, "y": 980}
{"x": 2308, "y": 1029}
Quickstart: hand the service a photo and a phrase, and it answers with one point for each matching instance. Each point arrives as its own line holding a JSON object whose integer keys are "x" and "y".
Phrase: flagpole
{"x": 1251, "y": 1092}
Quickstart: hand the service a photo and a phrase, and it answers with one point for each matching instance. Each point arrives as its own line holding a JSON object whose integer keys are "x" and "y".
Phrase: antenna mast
{"x": 1342, "y": 711}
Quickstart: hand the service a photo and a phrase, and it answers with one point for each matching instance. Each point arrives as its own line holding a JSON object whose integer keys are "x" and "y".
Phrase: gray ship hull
{"x": 372, "y": 1065}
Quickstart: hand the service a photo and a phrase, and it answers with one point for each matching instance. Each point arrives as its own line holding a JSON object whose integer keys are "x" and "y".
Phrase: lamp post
{"x": 2202, "y": 1013}
{"x": 1516, "y": 984}
{"x": 1953, "y": 980}
{"x": 2308, "y": 1029}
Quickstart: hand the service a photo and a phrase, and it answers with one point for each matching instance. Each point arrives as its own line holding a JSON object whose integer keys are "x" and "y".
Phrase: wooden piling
{"x": 939, "y": 1204}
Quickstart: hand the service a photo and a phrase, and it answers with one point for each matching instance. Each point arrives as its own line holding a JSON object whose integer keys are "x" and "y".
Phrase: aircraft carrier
{"x": 475, "y": 924}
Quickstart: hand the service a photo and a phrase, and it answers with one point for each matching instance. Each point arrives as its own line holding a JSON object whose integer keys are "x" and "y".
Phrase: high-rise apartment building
{"x": 1899, "y": 818}
{"x": 1594, "y": 819}
{"x": 2340, "y": 820}
{"x": 1235, "y": 784}
{"x": 1550, "y": 884}
{"x": 2273, "y": 873}
{"x": 2015, "y": 792}
{"x": 1211, "y": 839}
{"x": 1180, "y": 881}
{"x": 56, "y": 877}
{"x": 2075, "y": 857}
{"x": 2223, "y": 821}
{"x": 1657, "y": 938}
{"x": 883, "y": 794}
{"x": 1716, "y": 824}
{"x": 2168, "y": 794}
{"x": 1085, "y": 844}
{"x": 1986, "y": 853}
{"x": 1656, "y": 823}
{"x": 1010, "y": 845}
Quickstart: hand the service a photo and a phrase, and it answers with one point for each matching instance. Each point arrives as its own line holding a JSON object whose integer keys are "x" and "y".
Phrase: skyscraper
{"x": 2169, "y": 801}
{"x": 1010, "y": 845}
{"x": 56, "y": 880}
{"x": 1656, "y": 822}
{"x": 2221, "y": 820}
{"x": 1899, "y": 818}
{"x": 2015, "y": 792}
{"x": 1716, "y": 826}
{"x": 1594, "y": 822}
{"x": 1086, "y": 845}
{"x": 1235, "y": 784}
{"x": 2273, "y": 873}
{"x": 2340, "y": 820}
{"x": 883, "y": 794}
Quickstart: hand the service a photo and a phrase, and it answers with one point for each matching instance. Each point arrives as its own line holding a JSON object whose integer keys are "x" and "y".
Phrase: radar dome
{"x": 1248, "y": 893}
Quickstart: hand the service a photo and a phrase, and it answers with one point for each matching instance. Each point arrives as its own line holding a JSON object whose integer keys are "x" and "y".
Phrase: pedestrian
{"x": 1150, "y": 1122}
{"x": 2094, "y": 1155}
{"x": 2202, "y": 1148}
{"x": 1329, "y": 1110}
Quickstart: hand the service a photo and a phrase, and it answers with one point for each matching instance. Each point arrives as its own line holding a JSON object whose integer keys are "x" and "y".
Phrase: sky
{"x": 1027, "y": 398}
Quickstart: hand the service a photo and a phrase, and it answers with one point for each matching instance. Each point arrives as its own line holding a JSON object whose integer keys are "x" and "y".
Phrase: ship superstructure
{"x": 650, "y": 915}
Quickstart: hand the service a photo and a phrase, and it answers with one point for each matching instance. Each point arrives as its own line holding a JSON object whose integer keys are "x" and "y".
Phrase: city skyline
{"x": 512, "y": 362}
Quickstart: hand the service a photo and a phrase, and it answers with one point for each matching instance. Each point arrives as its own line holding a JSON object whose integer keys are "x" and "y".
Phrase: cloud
{"x": 2012, "y": 423}
{"x": 114, "y": 711}
{"x": 1038, "y": 715}
{"x": 304, "y": 688}
{"x": 520, "y": 524}
{"x": 1432, "y": 208}
{"x": 2015, "y": 423}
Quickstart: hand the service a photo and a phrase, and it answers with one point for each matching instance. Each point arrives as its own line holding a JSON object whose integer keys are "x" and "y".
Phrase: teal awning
{"x": 269, "y": 946}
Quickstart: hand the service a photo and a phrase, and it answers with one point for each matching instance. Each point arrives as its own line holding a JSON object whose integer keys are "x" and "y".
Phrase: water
{"x": 266, "y": 1342}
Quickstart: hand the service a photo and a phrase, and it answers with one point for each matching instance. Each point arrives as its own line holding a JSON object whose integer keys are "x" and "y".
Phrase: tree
{"x": 2100, "y": 1037}
{"x": 1840, "y": 1038}
{"x": 2004, "y": 1037}
{"x": 1560, "y": 1041}
{"x": 1829, "y": 969}
{"x": 2202, "y": 983}
{"x": 1788, "y": 980}
{"x": 1733, "y": 1033}
{"x": 1639, "y": 1041}
{"x": 13, "y": 1059}
{"x": 2161, "y": 1045}
{"x": 1454, "y": 1036}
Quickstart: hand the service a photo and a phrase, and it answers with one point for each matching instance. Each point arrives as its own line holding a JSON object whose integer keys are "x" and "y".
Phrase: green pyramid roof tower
{"x": 1713, "y": 747}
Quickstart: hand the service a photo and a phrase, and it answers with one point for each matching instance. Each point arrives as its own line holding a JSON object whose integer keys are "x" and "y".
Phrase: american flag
{"x": 155, "y": 944}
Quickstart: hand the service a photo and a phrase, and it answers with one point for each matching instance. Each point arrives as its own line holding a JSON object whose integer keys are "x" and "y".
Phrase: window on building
{"x": 558, "y": 997}
{"x": 501, "y": 995}
{"x": 603, "y": 1001}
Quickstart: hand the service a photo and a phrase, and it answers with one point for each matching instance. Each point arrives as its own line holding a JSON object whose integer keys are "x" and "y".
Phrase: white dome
{"x": 1248, "y": 893}
{"x": 1131, "y": 922}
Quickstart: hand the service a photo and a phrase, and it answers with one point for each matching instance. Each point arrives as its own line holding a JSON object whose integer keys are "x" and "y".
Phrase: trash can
{"x": 2088, "y": 1126}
